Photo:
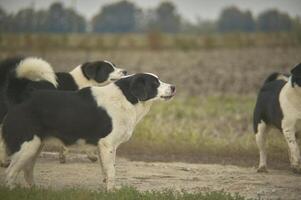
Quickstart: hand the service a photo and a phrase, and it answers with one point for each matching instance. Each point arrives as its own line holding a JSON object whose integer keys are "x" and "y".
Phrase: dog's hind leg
{"x": 22, "y": 159}
{"x": 262, "y": 131}
{"x": 62, "y": 154}
{"x": 4, "y": 161}
{"x": 28, "y": 168}
{"x": 91, "y": 156}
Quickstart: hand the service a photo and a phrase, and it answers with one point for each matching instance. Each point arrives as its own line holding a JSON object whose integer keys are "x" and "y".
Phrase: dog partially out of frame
{"x": 99, "y": 117}
{"x": 278, "y": 107}
{"x": 35, "y": 73}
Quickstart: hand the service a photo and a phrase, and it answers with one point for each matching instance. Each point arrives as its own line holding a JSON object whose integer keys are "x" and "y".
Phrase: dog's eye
{"x": 156, "y": 84}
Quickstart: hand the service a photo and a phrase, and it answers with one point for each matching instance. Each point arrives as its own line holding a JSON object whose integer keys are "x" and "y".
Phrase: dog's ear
{"x": 98, "y": 71}
{"x": 296, "y": 71}
{"x": 89, "y": 70}
{"x": 101, "y": 74}
{"x": 296, "y": 75}
{"x": 138, "y": 88}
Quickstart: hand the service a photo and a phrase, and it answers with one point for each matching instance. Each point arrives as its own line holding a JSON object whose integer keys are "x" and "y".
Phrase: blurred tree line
{"x": 125, "y": 16}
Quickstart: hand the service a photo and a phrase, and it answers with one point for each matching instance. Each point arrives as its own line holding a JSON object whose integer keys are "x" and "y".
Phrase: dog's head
{"x": 296, "y": 75}
{"x": 102, "y": 72}
{"x": 145, "y": 87}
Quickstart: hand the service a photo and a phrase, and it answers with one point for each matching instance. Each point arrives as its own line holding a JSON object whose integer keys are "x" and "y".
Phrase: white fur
{"x": 289, "y": 99}
{"x": 152, "y": 75}
{"x": 83, "y": 82}
{"x": 290, "y": 104}
{"x": 282, "y": 77}
{"x": 3, "y": 155}
{"x": 261, "y": 144}
{"x": 36, "y": 69}
{"x": 125, "y": 117}
{"x": 24, "y": 160}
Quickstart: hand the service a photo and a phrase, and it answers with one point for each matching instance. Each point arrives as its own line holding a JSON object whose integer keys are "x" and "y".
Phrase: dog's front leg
{"x": 294, "y": 152}
{"x": 62, "y": 154}
{"x": 107, "y": 154}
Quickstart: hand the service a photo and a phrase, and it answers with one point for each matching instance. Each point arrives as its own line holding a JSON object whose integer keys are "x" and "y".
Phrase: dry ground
{"x": 195, "y": 72}
{"x": 78, "y": 172}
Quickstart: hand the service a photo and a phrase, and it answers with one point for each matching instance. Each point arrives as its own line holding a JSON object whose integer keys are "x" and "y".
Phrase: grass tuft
{"x": 213, "y": 129}
{"x": 124, "y": 193}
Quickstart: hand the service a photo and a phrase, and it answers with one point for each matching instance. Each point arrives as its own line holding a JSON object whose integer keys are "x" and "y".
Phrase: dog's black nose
{"x": 124, "y": 72}
{"x": 173, "y": 88}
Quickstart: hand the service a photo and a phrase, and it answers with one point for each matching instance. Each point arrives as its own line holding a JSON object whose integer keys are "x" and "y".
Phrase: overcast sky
{"x": 190, "y": 9}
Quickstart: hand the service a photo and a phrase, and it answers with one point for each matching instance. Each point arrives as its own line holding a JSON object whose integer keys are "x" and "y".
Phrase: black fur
{"x": 274, "y": 77}
{"x": 20, "y": 89}
{"x": 139, "y": 87}
{"x": 296, "y": 75}
{"x": 99, "y": 70}
{"x": 66, "y": 115}
{"x": 66, "y": 82}
{"x": 267, "y": 106}
{"x": 296, "y": 71}
{"x": 6, "y": 66}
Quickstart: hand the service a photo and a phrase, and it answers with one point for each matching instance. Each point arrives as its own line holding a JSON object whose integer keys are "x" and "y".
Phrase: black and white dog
{"x": 278, "y": 107}
{"x": 102, "y": 117}
{"x": 27, "y": 74}
{"x": 276, "y": 76}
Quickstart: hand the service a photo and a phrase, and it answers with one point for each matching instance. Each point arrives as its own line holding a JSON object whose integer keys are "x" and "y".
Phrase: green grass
{"x": 121, "y": 194}
{"x": 210, "y": 129}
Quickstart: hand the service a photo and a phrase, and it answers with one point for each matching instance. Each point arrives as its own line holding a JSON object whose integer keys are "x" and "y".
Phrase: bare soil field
{"x": 196, "y": 126}
{"x": 78, "y": 172}
{"x": 194, "y": 72}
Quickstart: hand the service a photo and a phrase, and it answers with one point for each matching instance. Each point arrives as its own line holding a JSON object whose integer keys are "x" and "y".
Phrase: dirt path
{"x": 79, "y": 172}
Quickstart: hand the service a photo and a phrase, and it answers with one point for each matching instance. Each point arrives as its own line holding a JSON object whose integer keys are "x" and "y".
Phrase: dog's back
{"x": 276, "y": 76}
{"x": 66, "y": 81}
{"x": 66, "y": 115}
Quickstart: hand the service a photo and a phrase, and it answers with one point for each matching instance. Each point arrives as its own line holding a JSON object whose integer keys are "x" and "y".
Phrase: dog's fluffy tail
{"x": 276, "y": 76}
{"x": 22, "y": 80}
{"x": 36, "y": 69}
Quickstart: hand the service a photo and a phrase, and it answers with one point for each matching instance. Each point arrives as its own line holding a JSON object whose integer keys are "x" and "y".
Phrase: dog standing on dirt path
{"x": 38, "y": 74}
{"x": 278, "y": 107}
{"x": 102, "y": 117}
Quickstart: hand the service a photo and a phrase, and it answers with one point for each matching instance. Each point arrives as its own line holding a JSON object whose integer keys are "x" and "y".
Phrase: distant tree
{"x": 297, "y": 24}
{"x": 3, "y": 20}
{"x": 61, "y": 20}
{"x": 233, "y": 19}
{"x": 167, "y": 19}
{"x": 117, "y": 17}
{"x": 41, "y": 21}
{"x": 273, "y": 20}
{"x": 75, "y": 22}
{"x": 56, "y": 20}
{"x": 24, "y": 20}
{"x": 200, "y": 26}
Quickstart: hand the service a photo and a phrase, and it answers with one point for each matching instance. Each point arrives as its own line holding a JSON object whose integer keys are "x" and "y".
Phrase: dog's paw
{"x": 296, "y": 169}
{"x": 262, "y": 169}
{"x": 92, "y": 158}
{"x": 62, "y": 160}
{"x": 4, "y": 164}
